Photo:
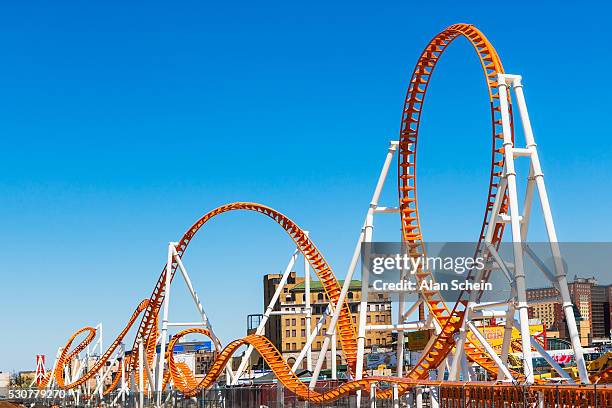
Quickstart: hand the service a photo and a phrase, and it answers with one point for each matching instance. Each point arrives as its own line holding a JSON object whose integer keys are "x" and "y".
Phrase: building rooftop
{"x": 316, "y": 286}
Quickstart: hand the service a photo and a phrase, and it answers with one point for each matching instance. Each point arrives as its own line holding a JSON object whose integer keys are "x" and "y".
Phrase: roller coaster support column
{"x": 311, "y": 338}
{"x": 560, "y": 273}
{"x": 308, "y": 309}
{"x": 400, "y": 333}
{"x": 164, "y": 330}
{"x": 373, "y": 395}
{"x": 395, "y": 395}
{"x": 490, "y": 349}
{"x": 262, "y": 324}
{"x": 334, "y": 352}
{"x": 364, "y": 236}
{"x": 458, "y": 356}
{"x": 123, "y": 387}
{"x": 198, "y": 304}
{"x": 551, "y": 361}
{"x": 515, "y": 222}
{"x": 140, "y": 374}
{"x": 419, "y": 397}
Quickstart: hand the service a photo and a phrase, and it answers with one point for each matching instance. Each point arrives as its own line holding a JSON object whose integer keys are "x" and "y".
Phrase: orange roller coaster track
{"x": 450, "y": 320}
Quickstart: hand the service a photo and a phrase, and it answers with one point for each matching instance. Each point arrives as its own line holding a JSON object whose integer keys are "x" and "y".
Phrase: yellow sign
{"x": 495, "y": 335}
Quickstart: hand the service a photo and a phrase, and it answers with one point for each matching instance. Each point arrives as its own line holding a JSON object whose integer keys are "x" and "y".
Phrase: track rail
{"x": 449, "y": 319}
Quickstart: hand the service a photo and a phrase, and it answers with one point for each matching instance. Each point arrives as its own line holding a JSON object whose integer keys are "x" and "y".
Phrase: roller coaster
{"x": 151, "y": 366}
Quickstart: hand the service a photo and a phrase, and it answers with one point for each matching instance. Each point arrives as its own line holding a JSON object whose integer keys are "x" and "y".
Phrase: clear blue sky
{"x": 122, "y": 123}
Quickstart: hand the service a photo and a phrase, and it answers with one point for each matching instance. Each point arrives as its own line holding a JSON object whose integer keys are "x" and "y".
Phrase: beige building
{"x": 592, "y": 307}
{"x": 288, "y": 332}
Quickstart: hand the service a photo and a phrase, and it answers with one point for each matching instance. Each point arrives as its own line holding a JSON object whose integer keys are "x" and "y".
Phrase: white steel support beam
{"x": 541, "y": 265}
{"x": 164, "y": 329}
{"x": 308, "y": 309}
{"x": 411, "y": 309}
{"x": 462, "y": 336}
{"x": 519, "y": 272}
{"x": 507, "y": 339}
{"x": 199, "y": 307}
{"x": 311, "y": 338}
{"x": 334, "y": 369}
{"x": 100, "y": 384}
{"x": 364, "y": 236}
{"x": 547, "y": 357}
{"x": 490, "y": 351}
{"x": 400, "y": 334}
{"x": 140, "y": 374}
{"x": 550, "y": 229}
{"x": 262, "y": 324}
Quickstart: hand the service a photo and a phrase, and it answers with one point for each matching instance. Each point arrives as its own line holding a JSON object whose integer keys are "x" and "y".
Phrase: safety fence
{"x": 457, "y": 395}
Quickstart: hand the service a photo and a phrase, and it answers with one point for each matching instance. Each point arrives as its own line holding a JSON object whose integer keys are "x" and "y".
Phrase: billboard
{"x": 495, "y": 335}
{"x": 387, "y": 359}
{"x": 417, "y": 340}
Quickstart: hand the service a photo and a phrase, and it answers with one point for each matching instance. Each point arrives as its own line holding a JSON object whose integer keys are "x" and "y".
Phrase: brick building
{"x": 288, "y": 332}
{"x": 592, "y": 307}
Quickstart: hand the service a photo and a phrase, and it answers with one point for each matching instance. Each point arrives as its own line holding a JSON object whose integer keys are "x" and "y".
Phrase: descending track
{"x": 450, "y": 320}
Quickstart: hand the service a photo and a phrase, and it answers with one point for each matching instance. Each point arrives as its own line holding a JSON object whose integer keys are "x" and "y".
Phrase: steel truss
{"x": 146, "y": 372}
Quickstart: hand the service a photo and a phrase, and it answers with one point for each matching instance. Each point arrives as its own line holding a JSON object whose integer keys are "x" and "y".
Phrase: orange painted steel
{"x": 452, "y": 394}
{"x": 605, "y": 377}
{"x": 148, "y": 328}
{"x": 67, "y": 355}
{"x": 346, "y": 329}
{"x": 450, "y": 320}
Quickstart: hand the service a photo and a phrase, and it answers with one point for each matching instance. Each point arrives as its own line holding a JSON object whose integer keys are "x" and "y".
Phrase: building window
{"x": 287, "y": 333}
{"x": 292, "y": 333}
{"x": 350, "y": 295}
{"x": 303, "y": 321}
{"x": 303, "y": 332}
{"x": 320, "y": 296}
{"x": 293, "y": 322}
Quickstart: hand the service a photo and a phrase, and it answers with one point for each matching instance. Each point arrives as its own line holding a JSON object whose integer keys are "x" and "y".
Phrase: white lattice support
{"x": 269, "y": 309}
{"x": 560, "y": 272}
{"x": 515, "y": 223}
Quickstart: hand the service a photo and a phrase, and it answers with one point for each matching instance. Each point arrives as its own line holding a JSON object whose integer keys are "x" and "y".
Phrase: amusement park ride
{"x": 448, "y": 357}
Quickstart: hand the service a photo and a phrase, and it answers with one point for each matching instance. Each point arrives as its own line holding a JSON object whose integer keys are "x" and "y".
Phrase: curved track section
{"x": 346, "y": 329}
{"x": 67, "y": 355}
{"x": 148, "y": 327}
{"x": 450, "y": 320}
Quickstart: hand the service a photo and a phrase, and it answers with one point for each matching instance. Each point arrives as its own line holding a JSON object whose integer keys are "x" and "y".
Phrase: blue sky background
{"x": 121, "y": 124}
